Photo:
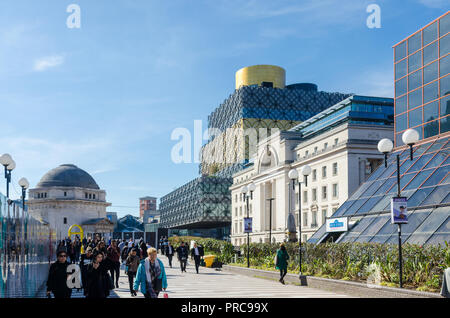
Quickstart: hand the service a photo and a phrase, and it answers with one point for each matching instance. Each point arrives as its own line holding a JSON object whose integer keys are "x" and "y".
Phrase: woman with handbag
{"x": 99, "y": 283}
{"x": 151, "y": 275}
{"x": 132, "y": 264}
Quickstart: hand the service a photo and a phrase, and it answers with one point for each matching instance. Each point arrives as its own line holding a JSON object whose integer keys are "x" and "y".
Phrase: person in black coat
{"x": 169, "y": 253}
{"x": 183, "y": 253}
{"x": 57, "y": 277}
{"x": 197, "y": 253}
{"x": 99, "y": 283}
{"x": 86, "y": 260}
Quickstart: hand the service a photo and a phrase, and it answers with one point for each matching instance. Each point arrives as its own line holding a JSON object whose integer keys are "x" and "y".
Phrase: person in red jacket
{"x": 113, "y": 253}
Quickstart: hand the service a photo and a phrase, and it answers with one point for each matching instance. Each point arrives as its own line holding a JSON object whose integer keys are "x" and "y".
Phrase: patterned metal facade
{"x": 201, "y": 203}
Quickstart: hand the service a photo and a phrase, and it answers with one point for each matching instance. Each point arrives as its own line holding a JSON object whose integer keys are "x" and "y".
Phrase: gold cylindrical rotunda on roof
{"x": 257, "y": 74}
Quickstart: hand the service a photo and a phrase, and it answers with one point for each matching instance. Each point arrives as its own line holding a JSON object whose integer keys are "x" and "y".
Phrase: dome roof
{"x": 67, "y": 175}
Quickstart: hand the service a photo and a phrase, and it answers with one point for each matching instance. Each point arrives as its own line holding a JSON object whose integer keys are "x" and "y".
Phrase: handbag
{"x": 166, "y": 295}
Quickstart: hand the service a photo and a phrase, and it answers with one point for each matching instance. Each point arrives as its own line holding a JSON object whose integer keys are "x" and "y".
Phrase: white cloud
{"x": 47, "y": 62}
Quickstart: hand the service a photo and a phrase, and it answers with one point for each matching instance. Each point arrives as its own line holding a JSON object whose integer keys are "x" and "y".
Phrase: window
{"x": 305, "y": 219}
{"x": 306, "y": 153}
{"x": 325, "y": 145}
{"x": 240, "y": 211}
{"x": 65, "y": 193}
{"x": 45, "y": 194}
{"x": 336, "y": 140}
{"x": 93, "y": 196}
{"x": 85, "y": 195}
{"x": 324, "y": 215}
{"x": 305, "y": 196}
{"x": 314, "y": 194}
{"x": 335, "y": 190}
{"x": 235, "y": 198}
{"x": 314, "y": 219}
{"x": 90, "y": 196}
{"x": 240, "y": 227}
{"x": 314, "y": 175}
{"x": 65, "y": 220}
{"x": 324, "y": 172}
{"x": 324, "y": 192}
{"x": 315, "y": 149}
{"x": 235, "y": 227}
{"x": 335, "y": 169}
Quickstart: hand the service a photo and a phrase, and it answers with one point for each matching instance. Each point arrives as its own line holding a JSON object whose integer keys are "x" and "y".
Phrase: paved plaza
{"x": 211, "y": 283}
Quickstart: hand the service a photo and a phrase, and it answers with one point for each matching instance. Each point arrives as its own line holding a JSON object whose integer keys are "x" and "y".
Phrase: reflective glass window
{"x": 414, "y": 220}
{"x": 381, "y": 205}
{"x": 430, "y": 72}
{"x": 359, "y": 227}
{"x": 414, "y": 43}
{"x": 447, "y": 199}
{"x": 445, "y": 106}
{"x": 398, "y": 138}
{"x": 373, "y": 188}
{"x": 430, "y": 53}
{"x": 415, "y": 117}
{"x": 400, "y": 87}
{"x": 400, "y": 51}
{"x": 384, "y": 233}
{"x": 444, "y": 45}
{"x": 405, "y": 179}
{"x": 437, "y": 195}
{"x": 400, "y": 122}
{"x": 420, "y": 195}
{"x": 404, "y": 165}
{"x": 366, "y": 207}
{"x": 445, "y": 85}
{"x": 401, "y": 104}
{"x": 431, "y": 111}
{"x": 444, "y": 25}
{"x": 431, "y": 129}
{"x": 373, "y": 228}
{"x": 431, "y": 92}
{"x": 442, "y": 234}
{"x": 436, "y": 177}
{"x": 447, "y": 179}
{"x": 429, "y": 226}
{"x": 400, "y": 69}
{"x": 444, "y": 65}
{"x": 386, "y": 186}
{"x": 362, "y": 188}
{"x": 355, "y": 206}
{"x": 415, "y": 80}
{"x": 430, "y": 33}
{"x": 445, "y": 124}
{"x": 343, "y": 208}
{"x": 418, "y": 179}
{"x": 414, "y": 61}
{"x": 436, "y": 161}
{"x": 415, "y": 98}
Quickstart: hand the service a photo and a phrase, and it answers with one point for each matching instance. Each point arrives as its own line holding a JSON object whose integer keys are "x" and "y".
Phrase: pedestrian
{"x": 77, "y": 250}
{"x": 86, "y": 260}
{"x": 169, "y": 253}
{"x": 132, "y": 262}
{"x": 101, "y": 248}
{"x": 121, "y": 245}
{"x": 71, "y": 252}
{"x": 124, "y": 253}
{"x": 196, "y": 254}
{"x": 143, "y": 248}
{"x": 151, "y": 275}
{"x": 57, "y": 277}
{"x": 113, "y": 253}
{"x": 99, "y": 282}
{"x": 281, "y": 261}
{"x": 182, "y": 256}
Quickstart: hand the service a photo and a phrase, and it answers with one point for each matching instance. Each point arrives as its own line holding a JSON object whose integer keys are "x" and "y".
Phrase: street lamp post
{"x": 270, "y": 219}
{"x": 248, "y": 194}
{"x": 23, "y": 182}
{"x": 9, "y": 165}
{"x": 293, "y": 175}
{"x": 385, "y": 146}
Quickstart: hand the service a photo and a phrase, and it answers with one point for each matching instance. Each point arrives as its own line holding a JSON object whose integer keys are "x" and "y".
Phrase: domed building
{"x": 68, "y": 195}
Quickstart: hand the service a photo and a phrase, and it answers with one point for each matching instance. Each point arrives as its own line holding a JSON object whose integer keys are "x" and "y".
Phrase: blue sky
{"x": 107, "y": 96}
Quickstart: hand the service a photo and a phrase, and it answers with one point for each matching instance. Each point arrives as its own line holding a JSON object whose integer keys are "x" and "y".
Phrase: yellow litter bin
{"x": 209, "y": 260}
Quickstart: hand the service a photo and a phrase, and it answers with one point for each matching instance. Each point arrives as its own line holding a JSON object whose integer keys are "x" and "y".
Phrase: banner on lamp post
{"x": 248, "y": 228}
{"x": 399, "y": 212}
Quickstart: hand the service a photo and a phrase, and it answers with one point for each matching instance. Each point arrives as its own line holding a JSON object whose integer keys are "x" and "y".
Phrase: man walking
{"x": 169, "y": 253}
{"x": 182, "y": 256}
{"x": 196, "y": 254}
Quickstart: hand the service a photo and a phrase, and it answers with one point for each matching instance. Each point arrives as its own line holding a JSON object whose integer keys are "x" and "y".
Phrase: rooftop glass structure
{"x": 354, "y": 109}
{"x": 425, "y": 181}
{"x": 422, "y": 81}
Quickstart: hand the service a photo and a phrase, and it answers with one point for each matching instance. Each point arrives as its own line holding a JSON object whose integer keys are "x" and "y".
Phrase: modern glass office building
{"x": 422, "y": 81}
{"x": 422, "y": 102}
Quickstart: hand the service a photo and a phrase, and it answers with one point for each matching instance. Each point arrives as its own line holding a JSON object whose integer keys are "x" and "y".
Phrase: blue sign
{"x": 337, "y": 225}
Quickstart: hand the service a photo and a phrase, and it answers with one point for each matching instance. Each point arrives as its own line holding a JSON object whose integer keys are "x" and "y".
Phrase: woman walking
{"x": 281, "y": 263}
{"x": 114, "y": 261}
{"x": 132, "y": 263}
{"x": 98, "y": 280}
{"x": 151, "y": 275}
